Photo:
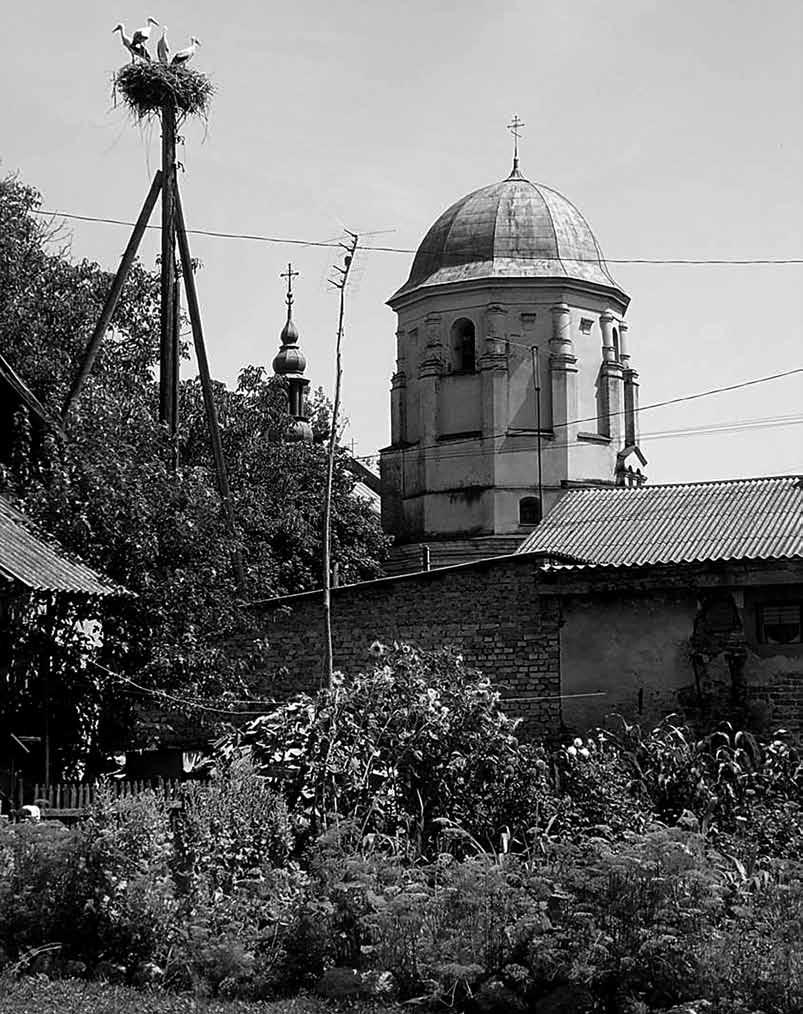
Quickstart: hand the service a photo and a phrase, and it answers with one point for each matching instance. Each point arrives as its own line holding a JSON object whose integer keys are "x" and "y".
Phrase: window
{"x": 463, "y": 346}
{"x": 616, "y": 344}
{"x": 529, "y": 510}
{"x": 585, "y": 325}
{"x": 780, "y": 623}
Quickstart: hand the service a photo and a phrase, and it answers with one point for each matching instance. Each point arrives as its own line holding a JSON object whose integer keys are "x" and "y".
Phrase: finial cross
{"x": 289, "y": 275}
{"x": 513, "y": 127}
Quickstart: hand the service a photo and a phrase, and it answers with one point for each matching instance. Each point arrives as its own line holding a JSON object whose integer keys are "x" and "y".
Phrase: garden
{"x": 389, "y": 843}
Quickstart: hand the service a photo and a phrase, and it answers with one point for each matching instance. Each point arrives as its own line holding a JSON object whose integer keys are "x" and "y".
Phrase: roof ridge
{"x": 796, "y": 476}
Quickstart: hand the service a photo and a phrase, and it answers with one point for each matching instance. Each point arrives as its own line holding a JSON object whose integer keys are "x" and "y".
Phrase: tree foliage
{"x": 108, "y": 494}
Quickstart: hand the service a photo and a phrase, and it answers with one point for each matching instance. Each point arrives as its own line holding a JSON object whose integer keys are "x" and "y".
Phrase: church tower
{"x": 514, "y": 379}
{"x": 290, "y": 363}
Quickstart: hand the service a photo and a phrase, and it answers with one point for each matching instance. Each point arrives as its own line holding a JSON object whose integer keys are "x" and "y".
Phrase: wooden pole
{"x": 328, "y": 659}
{"x": 166, "y": 354}
{"x": 206, "y": 383}
{"x": 176, "y": 372}
{"x": 114, "y": 295}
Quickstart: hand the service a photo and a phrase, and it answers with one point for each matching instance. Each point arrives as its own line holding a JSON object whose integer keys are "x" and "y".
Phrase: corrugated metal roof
{"x": 753, "y": 519}
{"x": 41, "y": 564}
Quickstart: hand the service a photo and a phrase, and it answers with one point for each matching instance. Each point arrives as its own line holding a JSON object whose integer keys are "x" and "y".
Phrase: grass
{"x": 75, "y": 996}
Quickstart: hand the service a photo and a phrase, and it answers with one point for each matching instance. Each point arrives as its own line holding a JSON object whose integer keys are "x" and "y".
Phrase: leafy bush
{"x": 650, "y": 919}
{"x": 239, "y": 897}
{"x": 420, "y": 736}
{"x": 595, "y": 791}
{"x": 101, "y": 891}
{"x": 35, "y": 864}
{"x": 233, "y": 829}
{"x": 747, "y": 794}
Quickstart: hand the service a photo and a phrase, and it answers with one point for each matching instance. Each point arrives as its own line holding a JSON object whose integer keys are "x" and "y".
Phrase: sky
{"x": 675, "y": 128}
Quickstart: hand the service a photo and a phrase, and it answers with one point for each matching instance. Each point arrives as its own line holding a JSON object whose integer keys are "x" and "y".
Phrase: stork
{"x": 163, "y": 47}
{"x": 141, "y": 35}
{"x": 126, "y": 41}
{"x": 185, "y": 55}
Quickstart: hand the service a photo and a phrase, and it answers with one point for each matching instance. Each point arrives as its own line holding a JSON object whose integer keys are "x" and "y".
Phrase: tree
{"x": 107, "y": 493}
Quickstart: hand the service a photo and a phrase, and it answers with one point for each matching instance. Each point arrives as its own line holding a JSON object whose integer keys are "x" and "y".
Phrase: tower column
{"x": 493, "y": 369}
{"x": 429, "y": 375}
{"x": 631, "y": 385}
{"x": 624, "y": 344}
{"x": 563, "y": 381}
{"x": 398, "y": 395}
{"x": 610, "y": 383}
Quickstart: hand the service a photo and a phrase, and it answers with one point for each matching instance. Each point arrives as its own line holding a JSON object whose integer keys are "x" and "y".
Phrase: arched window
{"x": 529, "y": 510}
{"x": 616, "y": 344}
{"x": 464, "y": 354}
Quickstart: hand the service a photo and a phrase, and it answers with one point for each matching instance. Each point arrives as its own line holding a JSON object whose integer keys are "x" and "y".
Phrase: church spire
{"x": 290, "y": 363}
{"x": 513, "y": 127}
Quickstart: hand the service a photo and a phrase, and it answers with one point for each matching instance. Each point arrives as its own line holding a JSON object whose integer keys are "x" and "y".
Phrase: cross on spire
{"x": 513, "y": 127}
{"x": 289, "y": 275}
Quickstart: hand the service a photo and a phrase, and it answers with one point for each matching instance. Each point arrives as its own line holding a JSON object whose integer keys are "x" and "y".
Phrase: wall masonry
{"x": 491, "y": 612}
{"x": 640, "y": 642}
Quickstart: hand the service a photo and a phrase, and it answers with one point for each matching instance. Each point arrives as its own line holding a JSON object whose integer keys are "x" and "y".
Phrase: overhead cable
{"x": 294, "y": 241}
{"x": 594, "y": 419}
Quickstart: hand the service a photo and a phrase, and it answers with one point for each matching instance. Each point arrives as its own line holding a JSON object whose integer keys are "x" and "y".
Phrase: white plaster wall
{"x": 460, "y": 404}
{"x": 509, "y": 465}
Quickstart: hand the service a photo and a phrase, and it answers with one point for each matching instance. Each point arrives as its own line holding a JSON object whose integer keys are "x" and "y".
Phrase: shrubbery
{"x": 418, "y": 737}
{"x": 391, "y": 838}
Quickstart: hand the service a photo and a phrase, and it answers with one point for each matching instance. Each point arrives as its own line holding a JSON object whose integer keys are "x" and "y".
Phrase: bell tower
{"x": 514, "y": 378}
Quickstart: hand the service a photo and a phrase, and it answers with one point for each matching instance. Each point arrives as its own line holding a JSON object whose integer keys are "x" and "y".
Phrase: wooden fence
{"x": 70, "y": 799}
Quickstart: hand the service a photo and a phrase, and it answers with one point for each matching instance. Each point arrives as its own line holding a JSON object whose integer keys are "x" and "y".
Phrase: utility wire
{"x": 293, "y": 241}
{"x": 593, "y": 419}
{"x": 769, "y": 422}
{"x": 184, "y": 701}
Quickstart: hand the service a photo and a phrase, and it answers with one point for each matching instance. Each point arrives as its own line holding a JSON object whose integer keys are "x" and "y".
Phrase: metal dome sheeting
{"x": 511, "y": 229}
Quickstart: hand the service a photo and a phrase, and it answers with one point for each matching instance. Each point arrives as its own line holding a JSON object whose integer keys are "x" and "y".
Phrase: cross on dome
{"x": 513, "y": 127}
{"x": 289, "y": 275}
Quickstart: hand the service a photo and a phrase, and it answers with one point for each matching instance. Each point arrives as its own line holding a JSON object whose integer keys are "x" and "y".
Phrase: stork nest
{"x": 146, "y": 87}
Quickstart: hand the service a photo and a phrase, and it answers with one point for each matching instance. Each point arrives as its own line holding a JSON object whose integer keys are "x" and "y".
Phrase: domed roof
{"x": 511, "y": 229}
{"x": 289, "y": 361}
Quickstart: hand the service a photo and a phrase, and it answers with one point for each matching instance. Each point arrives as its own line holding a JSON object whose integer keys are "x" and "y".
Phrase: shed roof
{"x": 737, "y": 519}
{"x": 39, "y": 563}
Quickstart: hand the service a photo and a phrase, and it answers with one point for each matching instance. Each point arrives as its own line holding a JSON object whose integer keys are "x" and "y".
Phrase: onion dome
{"x": 513, "y": 229}
{"x": 289, "y": 360}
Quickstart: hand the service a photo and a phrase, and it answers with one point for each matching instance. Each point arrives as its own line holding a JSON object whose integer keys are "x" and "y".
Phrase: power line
{"x": 769, "y": 422}
{"x": 294, "y": 241}
{"x": 184, "y": 701}
{"x": 594, "y": 419}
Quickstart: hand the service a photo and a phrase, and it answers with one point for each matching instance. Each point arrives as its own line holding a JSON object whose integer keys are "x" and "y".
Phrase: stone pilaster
{"x": 631, "y": 386}
{"x": 398, "y": 393}
{"x": 493, "y": 369}
{"x": 624, "y": 344}
{"x": 611, "y": 422}
{"x": 430, "y": 371}
{"x": 563, "y": 375}
{"x": 563, "y": 383}
{"x": 398, "y": 409}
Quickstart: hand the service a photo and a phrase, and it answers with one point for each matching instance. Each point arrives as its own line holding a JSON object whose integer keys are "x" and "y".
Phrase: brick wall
{"x": 490, "y": 612}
